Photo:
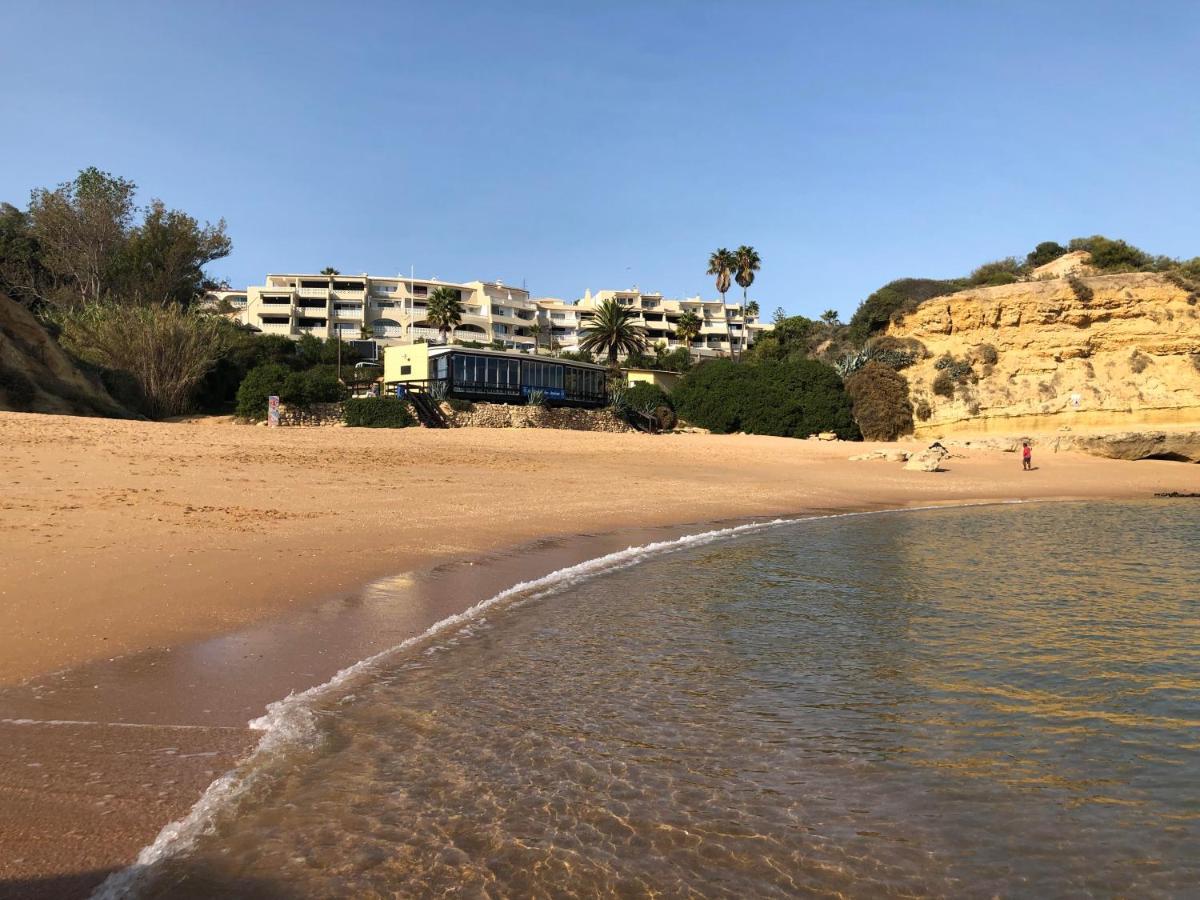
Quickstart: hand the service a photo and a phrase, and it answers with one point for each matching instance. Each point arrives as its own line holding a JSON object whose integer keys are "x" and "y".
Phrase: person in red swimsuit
{"x": 1026, "y": 456}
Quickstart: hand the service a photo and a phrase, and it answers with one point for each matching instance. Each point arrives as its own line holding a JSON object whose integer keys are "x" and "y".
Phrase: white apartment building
{"x": 392, "y": 310}
{"x": 724, "y": 328}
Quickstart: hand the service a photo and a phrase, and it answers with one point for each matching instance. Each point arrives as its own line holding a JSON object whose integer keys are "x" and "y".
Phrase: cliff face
{"x": 36, "y": 375}
{"x": 1127, "y": 356}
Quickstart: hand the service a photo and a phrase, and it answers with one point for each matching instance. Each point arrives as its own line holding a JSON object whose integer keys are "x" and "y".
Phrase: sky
{"x": 572, "y": 146}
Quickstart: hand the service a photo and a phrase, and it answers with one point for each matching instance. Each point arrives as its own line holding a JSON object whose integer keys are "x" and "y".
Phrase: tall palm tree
{"x": 330, "y": 270}
{"x": 444, "y": 310}
{"x": 722, "y": 263}
{"x": 747, "y": 264}
{"x": 537, "y": 330}
{"x": 612, "y": 330}
{"x": 687, "y": 329}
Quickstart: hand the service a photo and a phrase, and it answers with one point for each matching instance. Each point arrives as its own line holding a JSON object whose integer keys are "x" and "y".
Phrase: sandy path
{"x": 121, "y": 536}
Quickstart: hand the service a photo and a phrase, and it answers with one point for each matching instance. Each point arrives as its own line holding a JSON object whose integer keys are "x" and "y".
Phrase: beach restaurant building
{"x": 494, "y": 376}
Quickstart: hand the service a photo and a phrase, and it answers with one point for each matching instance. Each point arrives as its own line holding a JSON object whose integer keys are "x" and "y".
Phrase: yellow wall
{"x": 664, "y": 380}
{"x": 415, "y": 355}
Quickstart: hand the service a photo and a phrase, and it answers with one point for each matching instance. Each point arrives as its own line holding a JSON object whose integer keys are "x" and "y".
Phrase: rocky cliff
{"x": 36, "y": 375}
{"x": 1096, "y": 352}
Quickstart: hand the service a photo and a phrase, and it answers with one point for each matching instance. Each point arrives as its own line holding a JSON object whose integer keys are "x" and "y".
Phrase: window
{"x": 406, "y": 370}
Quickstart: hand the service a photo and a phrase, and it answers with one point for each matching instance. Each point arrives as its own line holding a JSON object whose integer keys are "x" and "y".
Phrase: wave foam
{"x": 291, "y": 722}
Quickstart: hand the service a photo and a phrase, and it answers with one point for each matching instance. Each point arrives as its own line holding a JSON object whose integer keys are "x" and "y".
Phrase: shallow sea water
{"x": 965, "y": 702}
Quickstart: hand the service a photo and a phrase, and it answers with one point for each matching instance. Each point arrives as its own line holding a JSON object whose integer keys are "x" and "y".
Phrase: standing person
{"x": 1026, "y": 456}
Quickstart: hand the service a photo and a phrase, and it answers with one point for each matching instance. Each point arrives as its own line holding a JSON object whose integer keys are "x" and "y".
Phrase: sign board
{"x": 273, "y": 411}
{"x": 547, "y": 392}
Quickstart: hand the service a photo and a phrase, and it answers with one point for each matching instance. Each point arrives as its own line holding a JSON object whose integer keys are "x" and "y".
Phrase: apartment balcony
{"x": 319, "y": 293}
{"x": 431, "y": 335}
{"x": 392, "y": 331}
{"x": 315, "y": 330}
{"x": 349, "y": 295}
{"x": 274, "y": 328}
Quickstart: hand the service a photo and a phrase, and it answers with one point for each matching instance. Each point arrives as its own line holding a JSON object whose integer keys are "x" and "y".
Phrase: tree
{"x": 162, "y": 261}
{"x": 779, "y": 315}
{"x": 722, "y": 263}
{"x": 687, "y": 329}
{"x": 747, "y": 262}
{"x": 752, "y": 308}
{"x": 22, "y": 275}
{"x": 536, "y": 330}
{"x": 830, "y": 317}
{"x": 611, "y": 330}
{"x": 1045, "y": 252}
{"x": 1000, "y": 271}
{"x": 444, "y": 310}
{"x": 80, "y": 227}
{"x": 330, "y": 270}
{"x": 896, "y": 297}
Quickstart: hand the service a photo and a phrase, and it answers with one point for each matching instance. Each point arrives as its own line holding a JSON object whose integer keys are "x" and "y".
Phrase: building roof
{"x": 442, "y": 349}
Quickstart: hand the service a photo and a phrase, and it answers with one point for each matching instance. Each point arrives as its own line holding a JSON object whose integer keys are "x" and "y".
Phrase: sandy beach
{"x": 161, "y": 582}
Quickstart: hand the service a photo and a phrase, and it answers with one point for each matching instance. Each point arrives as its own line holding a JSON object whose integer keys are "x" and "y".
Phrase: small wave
{"x": 291, "y": 722}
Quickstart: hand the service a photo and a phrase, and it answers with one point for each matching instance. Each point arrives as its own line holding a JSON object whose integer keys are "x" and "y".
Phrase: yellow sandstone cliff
{"x": 1125, "y": 358}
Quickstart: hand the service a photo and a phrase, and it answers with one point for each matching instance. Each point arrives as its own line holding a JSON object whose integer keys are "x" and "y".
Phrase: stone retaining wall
{"x": 318, "y": 414}
{"x": 501, "y": 415}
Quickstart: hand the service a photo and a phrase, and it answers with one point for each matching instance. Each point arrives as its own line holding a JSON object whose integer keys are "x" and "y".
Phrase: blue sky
{"x": 575, "y": 146}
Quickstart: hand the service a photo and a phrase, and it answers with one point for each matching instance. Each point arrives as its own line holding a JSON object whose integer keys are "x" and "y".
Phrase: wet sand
{"x": 162, "y": 582}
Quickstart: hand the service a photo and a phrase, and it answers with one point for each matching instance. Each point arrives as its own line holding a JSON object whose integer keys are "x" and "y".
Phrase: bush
{"x": 1113, "y": 256}
{"x": 1082, "y": 292}
{"x": 259, "y": 384}
{"x": 319, "y": 385}
{"x": 943, "y": 385}
{"x": 651, "y": 400}
{"x": 923, "y": 410}
{"x": 896, "y": 297}
{"x": 1138, "y": 362}
{"x": 882, "y": 407}
{"x": 578, "y": 356}
{"x": 378, "y": 412}
{"x": 459, "y": 405}
{"x": 1002, "y": 271}
{"x": 166, "y": 350}
{"x": 988, "y": 355}
{"x": 790, "y": 399}
{"x": 1045, "y": 252}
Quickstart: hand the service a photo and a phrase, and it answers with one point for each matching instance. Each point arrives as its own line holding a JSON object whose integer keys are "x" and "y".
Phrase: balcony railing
{"x": 320, "y": 293}
{"x": 390, "y": 331}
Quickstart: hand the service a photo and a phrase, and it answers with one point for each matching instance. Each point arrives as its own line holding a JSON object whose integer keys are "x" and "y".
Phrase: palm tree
{"x": 722, "y": 264}
{"x": 687, "y": 329}
{"x": 747, "y": 264}
{"x": 330, "y": 270}
{"x": 830, "y": 317}
{"x": 612, "y": 330}
{"x": 444, "y": 310}
{"x": 752, "y": 308}
{"x": 537, "y": 330}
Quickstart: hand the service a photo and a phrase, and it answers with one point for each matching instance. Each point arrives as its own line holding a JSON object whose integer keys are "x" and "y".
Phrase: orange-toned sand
{"x": 119, "y": 536}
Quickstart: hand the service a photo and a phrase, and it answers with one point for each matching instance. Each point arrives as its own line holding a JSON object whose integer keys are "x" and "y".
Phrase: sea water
{"x": 986, "y": 701}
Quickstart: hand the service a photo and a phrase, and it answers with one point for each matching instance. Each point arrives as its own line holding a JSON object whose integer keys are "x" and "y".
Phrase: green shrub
{"x": 651, "y": 400}
{"x": 1113, "y": 256}
{"x": 378, "y": 412}
{"x": 1002, "y": 271}
{"x": 790, "y": 399}
{"x": 318, "y": 385}
{"x": 577, "y": 356}
{"x": 1045, "y": 252}
{"x": 459, "y": 405}
{"x": 896, "y": 298}
{"x": 882, "y": 407}
{"x": 259, "y": 384}
{"x": 943, "y": 385}
{"x": 922, "y": 410}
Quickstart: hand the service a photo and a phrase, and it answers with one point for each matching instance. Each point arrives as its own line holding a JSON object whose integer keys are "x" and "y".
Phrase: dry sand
{"x": 178, "y": 576}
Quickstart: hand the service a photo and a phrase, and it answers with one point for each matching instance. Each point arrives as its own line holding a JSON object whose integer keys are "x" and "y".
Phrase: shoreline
{"x": 82, "y": 798}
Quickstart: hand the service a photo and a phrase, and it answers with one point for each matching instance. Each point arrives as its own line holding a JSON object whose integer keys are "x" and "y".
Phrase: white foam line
{"x": 119, "y": 724}
{"x": 290, "y": 721}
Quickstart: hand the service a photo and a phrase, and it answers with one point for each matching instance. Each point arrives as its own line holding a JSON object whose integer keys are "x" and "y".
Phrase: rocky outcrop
{"x": 501, "y": 415}
{"x": 1181, "y": 446}
{"x": 37, "y": 375}
{"x": 1095, "y": 352}
{"x": 929, "y": 460}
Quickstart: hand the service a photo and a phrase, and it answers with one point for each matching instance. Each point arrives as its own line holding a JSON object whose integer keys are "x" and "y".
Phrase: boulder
{"x": 1181, "y": 446}
{"x": 827, "y": 436}
{"x": 927, "y": 460}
